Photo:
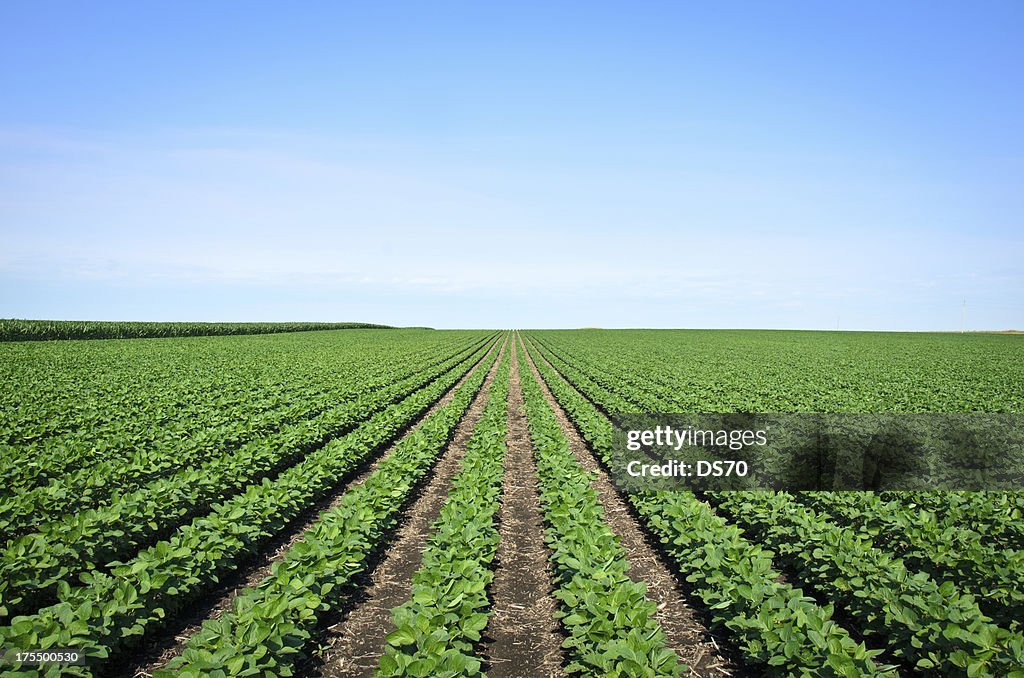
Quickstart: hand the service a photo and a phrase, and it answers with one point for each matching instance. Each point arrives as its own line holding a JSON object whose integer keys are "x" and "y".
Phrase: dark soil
{"x": 523, "y": 637}
{"x": 355, "y": 644}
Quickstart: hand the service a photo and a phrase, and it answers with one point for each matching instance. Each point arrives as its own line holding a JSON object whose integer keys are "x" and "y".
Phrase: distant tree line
{"x": 12, "y": 329}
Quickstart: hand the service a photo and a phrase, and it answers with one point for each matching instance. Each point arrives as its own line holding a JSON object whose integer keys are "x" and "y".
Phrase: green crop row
{"x": 785, "y": 371}
{"x": 780, "y": 631}
{"x": 944, "y": 549}
{"x": 436, "y": 629}
{"x": 110, "y": 612}
{"x": 997, "y": 515}
{"x": 32, "y": 565}
{"x": 607, "y": 616}
{"x": 642, "y": 395}
{"x": 268, "y": 626}
{"x": 120, "y": 433}
{"x": 931, "y": 627}
{"x": 118, "y": 411}
{"x": 69, "y": 404}
{"x": 989, "y": 573}
{"x": 108, "y": 479}
{"x": 12, "y": 329}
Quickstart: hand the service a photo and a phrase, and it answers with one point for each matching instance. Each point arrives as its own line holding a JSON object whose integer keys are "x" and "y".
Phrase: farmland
{"x": 440, "y": 503}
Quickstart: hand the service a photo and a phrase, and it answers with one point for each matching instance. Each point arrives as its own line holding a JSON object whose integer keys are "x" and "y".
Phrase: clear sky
{"x": 515, "y": 164}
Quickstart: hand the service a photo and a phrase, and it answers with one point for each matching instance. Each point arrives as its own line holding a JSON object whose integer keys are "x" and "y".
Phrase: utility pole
{"x": 963, "y": 317}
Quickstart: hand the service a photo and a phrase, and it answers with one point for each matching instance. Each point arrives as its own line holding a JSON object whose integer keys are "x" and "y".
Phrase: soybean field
{"x": 412, "y": 502}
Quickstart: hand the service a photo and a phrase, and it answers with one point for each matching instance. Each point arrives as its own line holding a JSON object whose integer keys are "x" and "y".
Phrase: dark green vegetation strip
{"x": 780, "y": 631}
{"x": 437, "y": 629}
{"x": 269, "y": 626}
{"x": 607, "y": 616}
{"x": 12, "y": 329}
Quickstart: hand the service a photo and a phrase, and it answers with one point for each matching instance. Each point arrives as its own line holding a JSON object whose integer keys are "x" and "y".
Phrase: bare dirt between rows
{"x": 170, "y": 641}
{"x": 523, "y": 638}
{"x": 357, "y": 641}
{"x": 692, "y": 642}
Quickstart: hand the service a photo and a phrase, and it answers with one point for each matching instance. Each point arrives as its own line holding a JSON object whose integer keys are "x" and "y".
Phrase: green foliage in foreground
{"x": 270, "y": 625}
{"x": 437, "y": 628}
{"x": 607, "y": 616}
{"x": 12, "y": 329}
{"x": 927, "y": 625}
{"x": 779, "y": 630}
{"x": 110, "y": 612}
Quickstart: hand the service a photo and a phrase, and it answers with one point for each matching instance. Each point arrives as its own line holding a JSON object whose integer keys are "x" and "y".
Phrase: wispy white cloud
{"x": 49, "y": 141}
{"x": 250, "y": 211}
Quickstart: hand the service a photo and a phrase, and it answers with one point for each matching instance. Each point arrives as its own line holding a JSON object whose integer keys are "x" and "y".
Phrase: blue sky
{"x": 789, "y": 164}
